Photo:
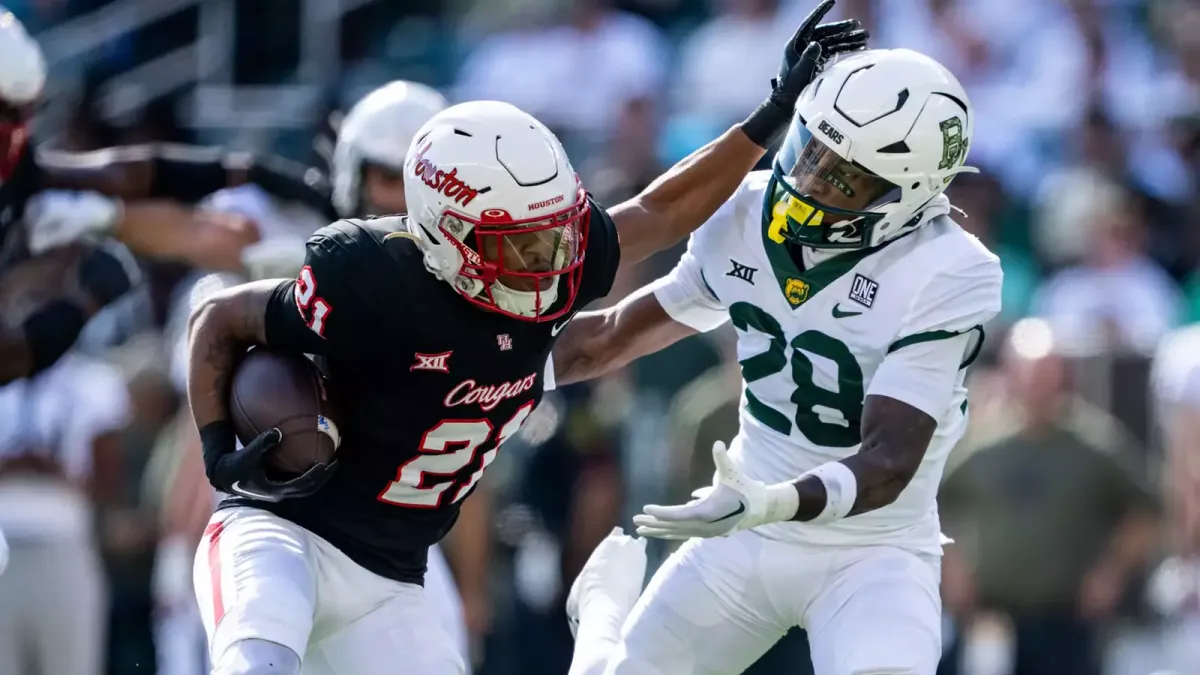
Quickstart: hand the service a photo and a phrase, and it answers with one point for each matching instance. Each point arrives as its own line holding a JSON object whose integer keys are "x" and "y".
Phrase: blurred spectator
{"x": 132, "y": 534}
{"x": 981, "y": 198}
{"x": 1116, "y": 298}
{"x": 576, "y": 76}
{"x": 727, "y": 61}
{"x": 60, "y": 472}
{"x": 1049, "y": 521}
{"x": 629, "y": 161}
{"x": 1174, "y": 589}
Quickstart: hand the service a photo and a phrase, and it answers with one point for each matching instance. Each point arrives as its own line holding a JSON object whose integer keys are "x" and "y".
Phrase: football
{"x": 287, "y": 392}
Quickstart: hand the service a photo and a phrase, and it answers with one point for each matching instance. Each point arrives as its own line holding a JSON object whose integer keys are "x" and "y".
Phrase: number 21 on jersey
{"x": 313, "y": 308}
{"x": 445, "y": 451}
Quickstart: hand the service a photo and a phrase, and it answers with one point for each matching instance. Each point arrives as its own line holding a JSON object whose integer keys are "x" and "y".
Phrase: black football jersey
{"x": 426, "y": 385}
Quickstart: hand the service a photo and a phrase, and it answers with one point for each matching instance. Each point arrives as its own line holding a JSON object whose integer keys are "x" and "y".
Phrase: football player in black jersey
{"x": 366, "y": 172}
{"x": 49, "y": 198}
{"x": 435, "y": 330}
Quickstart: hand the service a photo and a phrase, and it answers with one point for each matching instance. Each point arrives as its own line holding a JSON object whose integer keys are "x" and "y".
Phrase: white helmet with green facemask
{"x": 874, "y": 141}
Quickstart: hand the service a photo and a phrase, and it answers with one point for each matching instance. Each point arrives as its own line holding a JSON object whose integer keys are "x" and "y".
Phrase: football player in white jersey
{"x": 858, "y": 304}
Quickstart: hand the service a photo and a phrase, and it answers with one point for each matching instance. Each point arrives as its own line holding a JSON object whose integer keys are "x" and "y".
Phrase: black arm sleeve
{"x": 191, "y": 173}
{"x": 603, "y": 256}
{"x": 315, "y": 312}
{"x": 186, "y": 173}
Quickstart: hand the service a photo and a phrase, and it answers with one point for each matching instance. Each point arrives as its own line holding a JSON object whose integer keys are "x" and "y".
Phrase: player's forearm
{"x": 596, "y": 343}
{"x": 684, "y": 197}
{"x": 221, "y": 329}
{"x": 168, "y": 230}
{"x": 895, "y": 437}
{"x": 181, "y": 172}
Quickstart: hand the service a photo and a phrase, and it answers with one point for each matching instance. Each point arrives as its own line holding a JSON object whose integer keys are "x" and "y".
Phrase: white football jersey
{"x": 901, "y": 320}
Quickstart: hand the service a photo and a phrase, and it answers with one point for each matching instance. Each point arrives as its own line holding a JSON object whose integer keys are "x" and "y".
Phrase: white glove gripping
{"x": 735, "y": 502}
{"x": 58, "y": 217}
{"x": 612, "y": 576}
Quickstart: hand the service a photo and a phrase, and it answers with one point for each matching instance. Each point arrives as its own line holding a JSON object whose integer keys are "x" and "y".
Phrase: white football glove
{"x": 614, "y": 572}
{"x": 734, "y": 502}
{"x": 58, "y": 217}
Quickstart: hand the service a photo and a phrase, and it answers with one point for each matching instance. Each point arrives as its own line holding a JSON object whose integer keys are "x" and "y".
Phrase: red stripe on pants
{"x": 213, "y": 532}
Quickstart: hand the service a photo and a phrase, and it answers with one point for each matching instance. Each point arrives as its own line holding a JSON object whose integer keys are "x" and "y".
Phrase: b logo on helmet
{"x": 954, "y": 146}
{"x": 446, "y": 182}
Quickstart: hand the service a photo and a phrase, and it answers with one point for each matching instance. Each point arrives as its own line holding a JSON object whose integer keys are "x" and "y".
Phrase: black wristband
{"x": 51, "y": 332}
{"x": 188, "y": 174}
{"x": 216, "y": 440}
{"x": 766, "y": 124}
{"x": 292, "y": 181}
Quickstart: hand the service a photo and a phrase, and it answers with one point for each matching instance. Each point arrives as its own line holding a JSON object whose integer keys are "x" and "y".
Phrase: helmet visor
{"x": 539, "y": 259}
{"x": 824, "y": 200}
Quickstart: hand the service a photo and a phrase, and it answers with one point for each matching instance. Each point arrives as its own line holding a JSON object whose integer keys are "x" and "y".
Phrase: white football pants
{"x": 259, "y": 576}
{"x": 717, "y": 605}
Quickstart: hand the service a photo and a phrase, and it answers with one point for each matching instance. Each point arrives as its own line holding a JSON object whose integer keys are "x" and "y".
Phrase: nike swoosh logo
{"x": 557, "y": 328}
{"x": 741, "y": 507}
{"x": 838, "y": 313}
{"x": 240, "y": 491}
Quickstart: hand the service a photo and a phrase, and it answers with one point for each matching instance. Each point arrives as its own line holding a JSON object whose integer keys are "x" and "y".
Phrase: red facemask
{"x": 531, "y": 255}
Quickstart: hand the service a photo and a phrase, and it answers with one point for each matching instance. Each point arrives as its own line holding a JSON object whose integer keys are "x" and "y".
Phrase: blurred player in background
{"x": 1174, "y": 589}
{"x": 50, "y": 199}
{"x": 61, "y": 473}
{"x": 436, "y": 329}
{"x": 859, "y": 304}
{"x": 366, "y": 179}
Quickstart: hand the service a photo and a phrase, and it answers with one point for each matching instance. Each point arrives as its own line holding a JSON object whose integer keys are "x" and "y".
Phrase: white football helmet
{"x": 378, "y": 129}
{"x": 22, "y": 77}
{"x": 876, "y": 137}
{"x": 498, "y": 210}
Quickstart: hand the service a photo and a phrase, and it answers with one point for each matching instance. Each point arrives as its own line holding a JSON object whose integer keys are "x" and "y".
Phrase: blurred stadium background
{"x": 1075, "y": 499}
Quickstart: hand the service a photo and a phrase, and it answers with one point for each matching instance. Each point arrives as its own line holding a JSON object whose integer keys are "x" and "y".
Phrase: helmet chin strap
{"x": 523, "y": 303}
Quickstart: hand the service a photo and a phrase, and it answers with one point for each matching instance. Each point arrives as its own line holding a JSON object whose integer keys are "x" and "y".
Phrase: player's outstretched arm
{"x": 180, "y": 172}
{"x": 158, "y": 228}
{"x": 652, "y": 318}
{"x": 690, "y": 192}
{"x": 596, "y": 343}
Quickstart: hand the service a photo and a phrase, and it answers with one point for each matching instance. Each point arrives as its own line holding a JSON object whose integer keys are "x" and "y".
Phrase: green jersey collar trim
{"x": 799, "y": 286}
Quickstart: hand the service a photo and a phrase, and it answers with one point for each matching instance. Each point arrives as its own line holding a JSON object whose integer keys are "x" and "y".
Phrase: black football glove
{"x": 813, "y": 44}
{"x": 243, "y": 473}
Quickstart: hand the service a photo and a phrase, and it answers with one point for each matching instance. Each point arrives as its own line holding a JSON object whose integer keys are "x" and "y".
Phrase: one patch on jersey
{"x": 862, "y": 291}
{"x": 436, "y": 362}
